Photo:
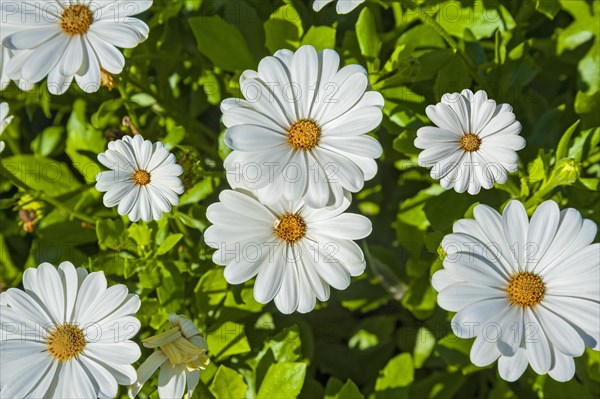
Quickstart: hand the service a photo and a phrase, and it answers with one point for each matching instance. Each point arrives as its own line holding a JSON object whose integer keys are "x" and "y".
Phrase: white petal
{"x": 268, "y": 281}
{"x": 116, "y": 352}
{"x": 286, "y": 299}
{"x": 145, "y": 371}
{"x": 483, "y": 352}
{"x": 538, "y": 349}
{"x": 171, "y": 381}
{"x": 304, "y": 73}
{"x": 345, "y": 226}
{"x": 563, "y": 368}
{"x": 456, "y": 296}
{"x": 513, "y": 367}
{"x": 516, "y": 224}
{"x": 73, "y": 382}
{"x": 559, "y": 332}
{"x": 105, "y": 384}
{"x": 471, "y": 319}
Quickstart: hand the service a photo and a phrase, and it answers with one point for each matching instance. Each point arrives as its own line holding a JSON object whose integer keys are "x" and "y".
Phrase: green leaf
{"x": 168, "y": 243}
{"x": 143, "y": 99}
{"x": 228, "y": 384}
{"x": 141, "y": 234}
{"x": 227, "y": 340}
{"x": 48, "y": 141}
{"x": 84, "y": 143}
{"x": 283, "y": 380}
{"x": 347, "y": 391}
{"x": 283, "y": 29}
{"x": 51, "y": 177}
{"x": 366, "y": 33}
{"x": 483, "y": 19}
{"x": 286, "y": 345}
{"x": 452, "y": 78}
{"x": 424, "y": 345}
{"x": 320, "y": 37}
{"x": 109, "y": 233}
{"x": 231, "y": 53}
{"x": 548, "y": 7}
{"x": 398, "y": 372}
{"x": 562, "y": 151}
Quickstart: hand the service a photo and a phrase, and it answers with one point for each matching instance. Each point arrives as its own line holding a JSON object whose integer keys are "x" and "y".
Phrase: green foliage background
{"x": 384, "y": 337}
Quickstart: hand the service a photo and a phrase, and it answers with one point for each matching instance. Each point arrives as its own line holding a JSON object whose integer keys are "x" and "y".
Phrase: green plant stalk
{"x": 5, "y": 173}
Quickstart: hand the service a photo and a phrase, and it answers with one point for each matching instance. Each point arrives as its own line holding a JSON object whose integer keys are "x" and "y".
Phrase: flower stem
{"x": 6, "y": 174}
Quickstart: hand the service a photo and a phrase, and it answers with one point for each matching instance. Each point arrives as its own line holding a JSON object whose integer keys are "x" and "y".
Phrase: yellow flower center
{"x": 76, "y": 19}
{"x": 470, "y": 142}
{"x": 526, "y": 289}
{"x": 141, "y": 177}
{"x": 290, "y": 228}
{"x": 66, "y": 342}
{"x": 304, "y": 135}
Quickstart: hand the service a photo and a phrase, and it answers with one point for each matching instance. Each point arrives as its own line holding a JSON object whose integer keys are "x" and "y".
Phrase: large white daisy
{"x": 474, "y": 143}
{"x": 342, "y": 7}
{"x": 301, "y": 131}
{"x": 68, "y": 39}
{"x": 144, "y": 178}
{"x": 528, "y": 291}
{"x": 180, "y": 354}
{"x": 5, "y": 119}
{"x": 67, "y": 335}
{"x": 295, "y": 252}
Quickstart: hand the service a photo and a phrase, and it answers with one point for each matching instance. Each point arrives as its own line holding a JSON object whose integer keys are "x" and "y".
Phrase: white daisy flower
{"x": 5, "y": 119}
{"x": 474, "y": 143}
{"x": 180, "y": 354}
{"x": 67, "y": 335}
{"x": 528, "y": 291}
{"x": 70, "y": 39}
{"x": 144, "y": 178}
{"x": 342, "y": 7}
{"x": 301, "y": 132}
{"x": 295, "y": 252}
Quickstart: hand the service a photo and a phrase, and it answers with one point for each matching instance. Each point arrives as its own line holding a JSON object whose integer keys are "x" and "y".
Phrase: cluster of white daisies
{"x": 527, "y": 290}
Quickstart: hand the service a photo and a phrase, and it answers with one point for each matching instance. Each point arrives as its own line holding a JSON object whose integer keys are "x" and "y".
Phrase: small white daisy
{"x": 5, "y": 119}
{"x": 528, "y": 291}
{"x": 342, "y": 7}
{"x": 180, "y": 354}
{"x": 144, "y": 178}
{"x": 301, "y": 132}
{"x": 295, "y": 252}
{"x": 474, "y": 143}
{"x": 68, "y": 39}
{"x": 67, "y": 335}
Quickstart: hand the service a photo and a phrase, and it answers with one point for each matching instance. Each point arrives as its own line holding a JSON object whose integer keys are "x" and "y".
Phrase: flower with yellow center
{"x": 66, "y": 40}
{"x": 296, "y": 252}
{"x": 143, "y": 180}
{"x": 474, "y": 143}
{"x": 180, "y": 354}
{"x": 302, "y": 130}
{"x": 527, "y": 290}
{"x": 67, "y": 335}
